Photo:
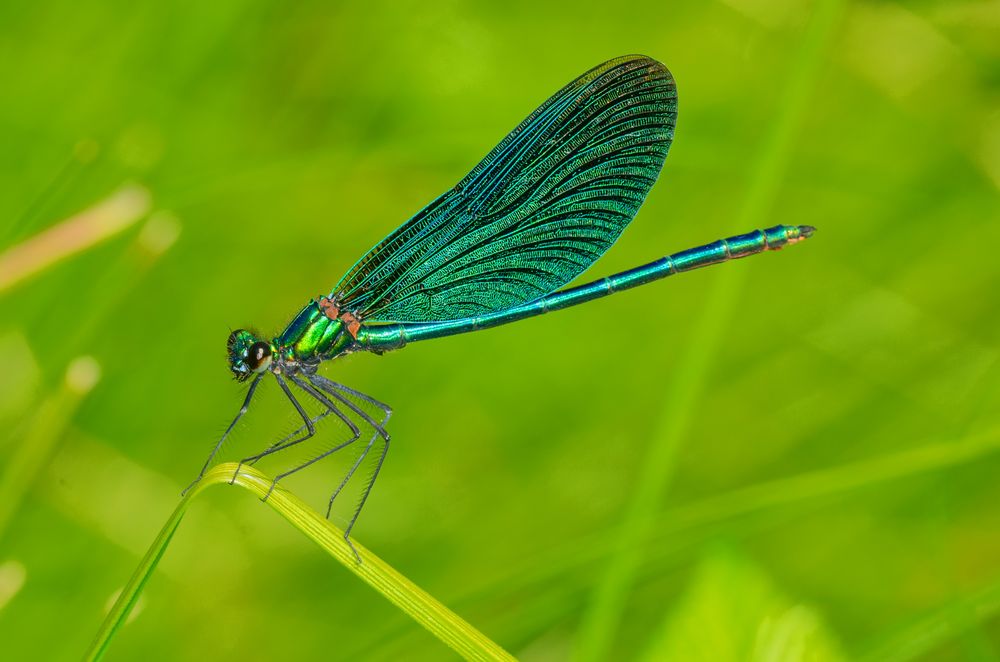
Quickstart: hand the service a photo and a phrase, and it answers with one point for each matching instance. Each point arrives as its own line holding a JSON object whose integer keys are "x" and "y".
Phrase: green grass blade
{"x": 440, "y": 621}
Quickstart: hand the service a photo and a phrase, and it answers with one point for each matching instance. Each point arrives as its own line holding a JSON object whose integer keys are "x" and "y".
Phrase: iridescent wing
{"x": 548, "y": 201}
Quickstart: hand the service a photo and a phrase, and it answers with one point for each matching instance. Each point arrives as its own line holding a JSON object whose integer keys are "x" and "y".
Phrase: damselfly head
{"x": 248, "y": 355}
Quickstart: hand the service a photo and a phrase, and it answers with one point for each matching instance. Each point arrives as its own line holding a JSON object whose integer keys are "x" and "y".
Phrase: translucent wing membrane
{"x": 548, "y": 201}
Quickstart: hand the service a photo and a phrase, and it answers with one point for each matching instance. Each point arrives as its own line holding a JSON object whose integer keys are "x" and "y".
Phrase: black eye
{"x": 258, "y": 352}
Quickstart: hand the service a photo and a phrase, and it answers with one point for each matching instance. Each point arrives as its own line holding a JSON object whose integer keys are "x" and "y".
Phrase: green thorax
{"x": 312, "y": 335}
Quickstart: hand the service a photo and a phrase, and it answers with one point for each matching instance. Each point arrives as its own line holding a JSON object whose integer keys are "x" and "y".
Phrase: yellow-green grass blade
{"x": 440, "y": 621}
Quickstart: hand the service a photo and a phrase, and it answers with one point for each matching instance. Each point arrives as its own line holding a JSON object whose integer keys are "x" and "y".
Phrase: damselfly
{"x": 548, "y": 201}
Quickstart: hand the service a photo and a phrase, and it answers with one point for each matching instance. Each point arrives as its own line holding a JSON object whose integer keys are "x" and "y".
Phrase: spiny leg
{"x": 243, "y": 410}
{"x": 329, "y": 386}
{"x": 280, "y": 444}
{"x": 364, "y": 495}
{"x": 319, "y": 457}
{"x": 326, "y": 412}
{"x": 343, "y": 483}
{"x": 325, "y": 401}
{"x": 356, "y": 432}
{"x": 274, "y": 448}
{"x": 333, "y": 388}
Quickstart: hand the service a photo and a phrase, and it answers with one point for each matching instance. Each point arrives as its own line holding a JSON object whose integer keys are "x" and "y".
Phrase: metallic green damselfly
{"x": 543, "y": 206}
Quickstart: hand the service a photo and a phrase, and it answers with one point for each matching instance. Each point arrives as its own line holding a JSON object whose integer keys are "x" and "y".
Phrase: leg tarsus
{"x": 270, "y": 489}
{"x": 347, "y": 539}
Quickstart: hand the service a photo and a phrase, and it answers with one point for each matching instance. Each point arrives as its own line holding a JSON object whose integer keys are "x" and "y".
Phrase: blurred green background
{"x": 789, "y": 457}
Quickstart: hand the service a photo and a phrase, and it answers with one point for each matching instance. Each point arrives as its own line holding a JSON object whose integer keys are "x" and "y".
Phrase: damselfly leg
{"x": 243, "y": 410}
{"x": 333, "y": 387}
{"x": 283, "y": 443}
{"x": 308, "y": 425}
{"x": 355, "y": 431}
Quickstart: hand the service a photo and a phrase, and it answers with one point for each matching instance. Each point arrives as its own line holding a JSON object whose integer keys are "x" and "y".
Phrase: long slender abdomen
{"x": 383, "y": 337}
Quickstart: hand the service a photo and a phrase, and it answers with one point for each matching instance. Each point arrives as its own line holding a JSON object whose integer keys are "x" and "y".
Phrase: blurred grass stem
{"x": 117, "y": 212}
{"x": 605, "y": 612}
{"x": 50, "y": 421}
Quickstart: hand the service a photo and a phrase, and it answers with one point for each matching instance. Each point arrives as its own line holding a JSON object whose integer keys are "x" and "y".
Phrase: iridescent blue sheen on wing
{"x": 548, "y": 201}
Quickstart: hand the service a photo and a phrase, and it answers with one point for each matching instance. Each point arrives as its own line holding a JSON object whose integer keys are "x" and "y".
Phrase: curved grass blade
{"x": 440, "y": 621}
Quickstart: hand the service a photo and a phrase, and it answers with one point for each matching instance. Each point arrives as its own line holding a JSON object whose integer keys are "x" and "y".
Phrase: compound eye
{"x": 258, "y": 356}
